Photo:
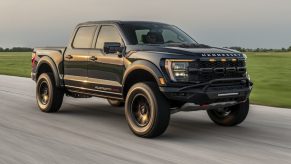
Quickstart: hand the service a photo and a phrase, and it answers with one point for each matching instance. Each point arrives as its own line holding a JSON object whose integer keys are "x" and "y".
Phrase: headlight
{"x": 178, "y": 69}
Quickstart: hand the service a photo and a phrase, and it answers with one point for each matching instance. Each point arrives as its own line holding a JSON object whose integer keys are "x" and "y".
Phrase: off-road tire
{"x": 236, "y": 115}
{"x": 157, "y": 107}
{"x": 55, "y": 95}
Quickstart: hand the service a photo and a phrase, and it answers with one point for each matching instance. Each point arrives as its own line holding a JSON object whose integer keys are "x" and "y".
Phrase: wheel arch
{"x": 46, "y": 64}
{"x": 140, "y": 71}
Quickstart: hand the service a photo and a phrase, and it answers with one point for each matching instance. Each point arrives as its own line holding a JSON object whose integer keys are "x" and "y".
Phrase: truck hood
{"x": 202, "y": 50}
{"x": 194, "y": 52}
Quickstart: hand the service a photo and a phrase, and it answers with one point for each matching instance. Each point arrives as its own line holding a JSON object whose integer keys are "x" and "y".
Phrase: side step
{"x": 77, "y": 95}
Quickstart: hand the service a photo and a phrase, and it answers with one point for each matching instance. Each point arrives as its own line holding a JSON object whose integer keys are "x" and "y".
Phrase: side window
{"x": 107, "y": 34}
{"x": 84, "y": 37}
{"x": 140, "y": 33}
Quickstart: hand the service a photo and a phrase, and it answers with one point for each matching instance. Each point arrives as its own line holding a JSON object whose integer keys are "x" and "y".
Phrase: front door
{"x": 105, "y": 71}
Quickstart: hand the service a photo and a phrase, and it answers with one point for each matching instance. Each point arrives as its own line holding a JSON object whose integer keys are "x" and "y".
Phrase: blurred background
{"x": 247, "y": 23}
{"x": 259, "y": 28}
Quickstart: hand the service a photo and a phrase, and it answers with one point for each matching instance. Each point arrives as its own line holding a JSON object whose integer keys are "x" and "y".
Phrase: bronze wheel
{"x": 49, "y": 97}
{"x": 43, "y": 95}
{"x": 140, "y": 110}
{"x": 146, "y": 110}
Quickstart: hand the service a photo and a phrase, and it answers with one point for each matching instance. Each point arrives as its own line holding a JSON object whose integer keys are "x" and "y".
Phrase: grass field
{"x": 270, "y": 72}
{"x": 15, "y": 63}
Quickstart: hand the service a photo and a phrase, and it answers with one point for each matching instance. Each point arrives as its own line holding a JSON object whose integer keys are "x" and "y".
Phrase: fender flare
{"x": 47, "y": 60}
{"x": 143, "y": 65}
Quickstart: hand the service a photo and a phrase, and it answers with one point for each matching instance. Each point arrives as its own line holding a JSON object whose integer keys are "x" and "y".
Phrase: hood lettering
{"x": 221, "y": 55}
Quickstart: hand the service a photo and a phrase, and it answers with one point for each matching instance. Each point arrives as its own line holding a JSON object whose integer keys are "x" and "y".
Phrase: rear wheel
{"x": 49, "y": 97}
{"x": 230, "y": 116}
{"x": 115, "y": 103}
{"x": 146, "y": 110}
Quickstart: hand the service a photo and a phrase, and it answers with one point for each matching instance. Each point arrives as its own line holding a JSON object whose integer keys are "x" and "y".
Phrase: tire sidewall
{"x": 238, "y": 115}
{"x": 44, "y": 77}
{"x": 147, "y": 93}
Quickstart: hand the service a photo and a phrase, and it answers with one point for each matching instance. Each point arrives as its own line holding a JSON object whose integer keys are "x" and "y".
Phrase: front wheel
{"x": 146, "y": 110}
{"x": 230, "y": 116}
{"x": 49, "y": 98}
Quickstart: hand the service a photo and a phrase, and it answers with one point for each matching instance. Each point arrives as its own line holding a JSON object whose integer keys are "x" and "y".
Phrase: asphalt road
{"x": 90, "y": 131}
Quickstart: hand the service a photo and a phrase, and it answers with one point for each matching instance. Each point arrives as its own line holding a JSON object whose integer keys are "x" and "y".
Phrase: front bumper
{"x": 218, "y": 90}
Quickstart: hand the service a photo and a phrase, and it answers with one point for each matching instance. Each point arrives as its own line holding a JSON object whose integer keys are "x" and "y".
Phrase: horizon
{"x": 221, "y": 47}
{"x": 225, "y": 23}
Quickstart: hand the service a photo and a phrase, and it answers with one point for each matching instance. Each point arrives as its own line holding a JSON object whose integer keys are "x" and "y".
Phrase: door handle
{"x": 93, "y": 58}
{"x": 69, "y": 57}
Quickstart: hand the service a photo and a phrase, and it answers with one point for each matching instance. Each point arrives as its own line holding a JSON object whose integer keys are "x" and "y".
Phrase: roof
{"x": 118, "y": 22}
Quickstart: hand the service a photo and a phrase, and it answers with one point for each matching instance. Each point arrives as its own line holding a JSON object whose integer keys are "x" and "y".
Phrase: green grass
{"x": 270, "y": 72}
{"x": 15, "y": 63}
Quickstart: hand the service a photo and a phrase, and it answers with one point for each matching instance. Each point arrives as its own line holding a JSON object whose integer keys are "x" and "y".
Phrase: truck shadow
{"x": 190, "y": 125}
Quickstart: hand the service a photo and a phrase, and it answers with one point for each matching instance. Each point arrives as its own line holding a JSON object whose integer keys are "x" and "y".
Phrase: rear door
{"x": 105, "y": 71}
{"x": 76, "y": 57}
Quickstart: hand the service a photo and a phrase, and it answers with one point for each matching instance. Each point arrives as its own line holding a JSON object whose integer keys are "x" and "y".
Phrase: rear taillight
{"x": 33, "y": 56}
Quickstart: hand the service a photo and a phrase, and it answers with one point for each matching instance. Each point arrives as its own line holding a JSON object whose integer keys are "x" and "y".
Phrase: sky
{"x": 222, "y": 23}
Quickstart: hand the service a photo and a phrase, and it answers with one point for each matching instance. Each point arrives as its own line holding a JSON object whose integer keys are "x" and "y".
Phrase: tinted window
{"x": 171, "y": 37}
{"x": 139, "y": 34}
{"x": 107, "y": 34}
{"x": 155, "y": 33}
{"x": 84, "y": 37}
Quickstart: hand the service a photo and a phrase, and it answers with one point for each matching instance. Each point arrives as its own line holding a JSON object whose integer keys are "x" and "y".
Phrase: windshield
{"x": 155, "y": 33}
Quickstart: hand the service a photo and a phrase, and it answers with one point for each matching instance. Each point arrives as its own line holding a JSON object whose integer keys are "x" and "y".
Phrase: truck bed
{"x": 59, "y": 49}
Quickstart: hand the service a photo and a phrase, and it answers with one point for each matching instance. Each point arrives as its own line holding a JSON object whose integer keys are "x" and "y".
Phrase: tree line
{"x": 16, "y": 49}
{"x": 241, "y": 49}
{"x": 260, "y": 49}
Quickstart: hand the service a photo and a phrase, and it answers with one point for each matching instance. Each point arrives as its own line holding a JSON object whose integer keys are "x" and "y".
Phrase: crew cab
{"x": 153, "y": 69}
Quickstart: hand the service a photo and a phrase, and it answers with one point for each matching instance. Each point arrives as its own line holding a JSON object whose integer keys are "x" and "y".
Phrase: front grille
{"x": 216, "y": 64}
{"x": 205, "y": 70}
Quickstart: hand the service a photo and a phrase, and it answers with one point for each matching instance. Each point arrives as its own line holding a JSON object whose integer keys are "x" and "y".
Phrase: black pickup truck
{"x": 154, "y": 69}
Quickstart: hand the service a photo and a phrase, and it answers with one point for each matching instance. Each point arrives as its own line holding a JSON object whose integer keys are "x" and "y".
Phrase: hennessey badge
{"x": 221, "y": 55}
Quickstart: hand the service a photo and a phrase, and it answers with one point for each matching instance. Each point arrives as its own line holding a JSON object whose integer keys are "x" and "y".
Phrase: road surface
{"x": 90, "y": 131}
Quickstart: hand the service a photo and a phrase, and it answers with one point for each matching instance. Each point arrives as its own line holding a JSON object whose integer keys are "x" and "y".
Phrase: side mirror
{"x": 112, "y": 47}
